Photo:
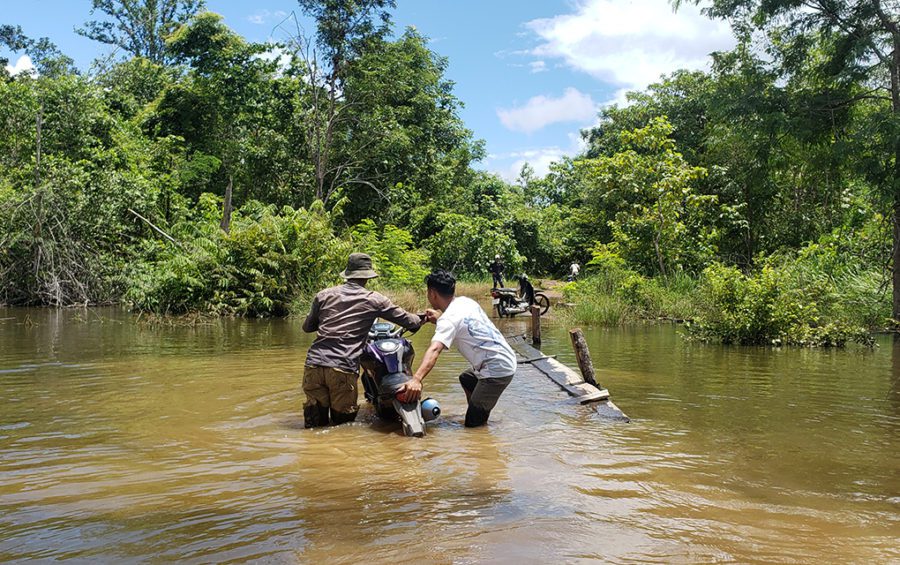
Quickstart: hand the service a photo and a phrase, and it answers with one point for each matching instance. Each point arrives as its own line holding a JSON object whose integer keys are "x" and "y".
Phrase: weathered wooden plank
{"x": 569, "y": 380}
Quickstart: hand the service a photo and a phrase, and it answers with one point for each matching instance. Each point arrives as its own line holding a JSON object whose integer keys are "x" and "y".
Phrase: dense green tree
{"x": 44, "y": 54}
{"x": 345, "y": 30}
{"x": 646, "y": 193}
{"x": 70, "y": 173}
{"x": 139, "y": 27}
{"x": 857, "y": 43}
{"x": 410, "y": 143}
{"x": 219, "y": 106}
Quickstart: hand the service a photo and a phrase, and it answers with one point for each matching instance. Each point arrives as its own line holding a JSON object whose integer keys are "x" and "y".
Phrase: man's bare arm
{"x": 413, "y": 388}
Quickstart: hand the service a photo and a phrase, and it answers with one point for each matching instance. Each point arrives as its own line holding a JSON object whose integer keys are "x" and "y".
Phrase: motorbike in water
{"x": 508, "y": 302}
{"x": 387, "y": 365}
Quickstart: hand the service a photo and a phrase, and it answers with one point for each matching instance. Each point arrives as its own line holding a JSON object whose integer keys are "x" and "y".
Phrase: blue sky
{"x": 531, "y": 74}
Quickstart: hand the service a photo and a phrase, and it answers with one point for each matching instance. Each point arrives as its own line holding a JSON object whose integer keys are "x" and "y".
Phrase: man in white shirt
{"x": 574, "y": 269}
{"x": 464, "y": 325}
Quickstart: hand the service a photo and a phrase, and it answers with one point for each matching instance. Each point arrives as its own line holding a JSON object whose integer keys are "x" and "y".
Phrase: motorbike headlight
{"x": 387, "y": 346}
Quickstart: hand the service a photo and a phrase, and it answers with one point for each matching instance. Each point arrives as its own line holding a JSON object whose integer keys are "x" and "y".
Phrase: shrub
{"x": 766, "y": 309}
{"x": 267, "y": 261}
{"x": 613, "y": 294}
{"x": 395, "y": 259}
{"x": 61, "y": 242}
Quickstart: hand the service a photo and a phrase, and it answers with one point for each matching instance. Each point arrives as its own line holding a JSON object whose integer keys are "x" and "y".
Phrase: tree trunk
{"x": 37, "y": 242}
{"x": 37, "y": 141}
{"x": 895, "y": 107}
{"x": 896, "y": 257}
{"x": 659, "y": 257}
{"x": 891, "y": 26}
{"x": 226, "y": 207}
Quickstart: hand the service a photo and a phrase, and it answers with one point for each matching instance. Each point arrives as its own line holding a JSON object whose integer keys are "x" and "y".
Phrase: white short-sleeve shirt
{"x": 465, "y": 325}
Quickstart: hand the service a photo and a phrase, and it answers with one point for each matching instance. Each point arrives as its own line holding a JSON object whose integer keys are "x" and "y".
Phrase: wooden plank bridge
{"x": 533, "y": 363}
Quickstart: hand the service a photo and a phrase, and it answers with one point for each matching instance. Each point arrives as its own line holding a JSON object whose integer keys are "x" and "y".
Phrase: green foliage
{"x": 346, "y": 29}
{"x": 645, "y": 192}
{"x": 48, "y": 60}
{"x": 781, "y": 162}
{"x": 766, "y": 309}
{"x": 138, "y": 27}
{"x": 64, "y": 217}
{"x": 269, "y": 260}
{"x": 397, "y": 262}
{"x": 466, "y": 245}
{"x": 613, "y": 294}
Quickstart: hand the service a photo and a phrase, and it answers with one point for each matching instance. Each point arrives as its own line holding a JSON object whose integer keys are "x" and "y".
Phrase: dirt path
{"x": 552, "y": 288}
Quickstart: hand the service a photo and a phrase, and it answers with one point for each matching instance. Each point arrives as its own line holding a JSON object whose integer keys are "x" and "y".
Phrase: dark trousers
{"x": 482, "y": 394}
{"x": 498, "y": 280}
{"x": 329, "y": 392}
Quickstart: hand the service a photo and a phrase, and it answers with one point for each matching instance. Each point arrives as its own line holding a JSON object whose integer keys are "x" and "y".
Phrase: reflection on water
{"x": 122, "y": 441}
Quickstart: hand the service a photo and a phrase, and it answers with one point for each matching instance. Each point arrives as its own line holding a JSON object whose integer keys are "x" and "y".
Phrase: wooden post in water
{"x": 536, "y": 324}
{"x": 584, "y": 356}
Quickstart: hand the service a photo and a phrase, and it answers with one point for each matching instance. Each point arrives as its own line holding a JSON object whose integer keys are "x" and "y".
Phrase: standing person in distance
{"x": 465, "y": 325}
{"x": 574, "y": 269}
{"x": 496, "y": 269}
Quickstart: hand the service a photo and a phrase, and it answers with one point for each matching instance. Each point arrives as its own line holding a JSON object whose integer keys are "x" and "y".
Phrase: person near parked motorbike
{"x": 464, "y": 325}
{"x": 496, "y": 270}
{"x": 341, "y": 316}
{"x": 526, "y": 289}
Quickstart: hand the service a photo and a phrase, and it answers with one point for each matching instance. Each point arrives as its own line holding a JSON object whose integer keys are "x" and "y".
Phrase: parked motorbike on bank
{"x": 508, "y": 302}
{"x": 387, "y": 366}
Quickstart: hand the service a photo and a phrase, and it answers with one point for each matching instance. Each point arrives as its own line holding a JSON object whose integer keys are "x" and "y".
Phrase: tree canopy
{"x": 200, "y": 170}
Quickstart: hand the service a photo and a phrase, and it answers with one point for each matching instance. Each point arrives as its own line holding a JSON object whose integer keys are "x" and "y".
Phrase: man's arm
{"x": 413, "y": 387}
{"x": 311, "y": 323}
{"x": 393, "y": 313}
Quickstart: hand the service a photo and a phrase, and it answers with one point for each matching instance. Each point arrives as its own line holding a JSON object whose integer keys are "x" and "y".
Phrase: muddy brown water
{"x": 123, "y": 442}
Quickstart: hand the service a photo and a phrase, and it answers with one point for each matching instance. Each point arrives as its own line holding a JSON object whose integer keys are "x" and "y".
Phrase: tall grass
{"x": 413, "y": 299}
{"x": 602, "y": 310}
{"x": 614, "y": 297}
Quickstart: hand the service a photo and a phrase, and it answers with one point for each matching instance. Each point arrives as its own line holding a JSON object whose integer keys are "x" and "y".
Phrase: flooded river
{"x": 126, "y": 442}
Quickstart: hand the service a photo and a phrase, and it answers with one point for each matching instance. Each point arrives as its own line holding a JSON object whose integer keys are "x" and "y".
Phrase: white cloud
{"x": 279, "y": 55}
{"x": 541, "y": 111}
{"x": 538, "y": 66}
{"x": 509, "y": 165}
{"x": 22, "y": 65}
{"x": 539, "y": 159}
{"x": 630, "y": 43}
{"x": 265, "y": 16}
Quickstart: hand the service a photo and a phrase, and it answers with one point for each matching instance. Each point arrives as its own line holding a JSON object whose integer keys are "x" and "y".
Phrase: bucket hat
{"x": 359, "y": 266}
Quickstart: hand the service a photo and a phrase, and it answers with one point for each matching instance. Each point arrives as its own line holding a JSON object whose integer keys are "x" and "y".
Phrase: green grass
{"x": 618, "y": 298}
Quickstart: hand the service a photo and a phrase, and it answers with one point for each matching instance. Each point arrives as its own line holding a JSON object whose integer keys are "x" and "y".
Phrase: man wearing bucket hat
{"x": 342, "y": 316}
